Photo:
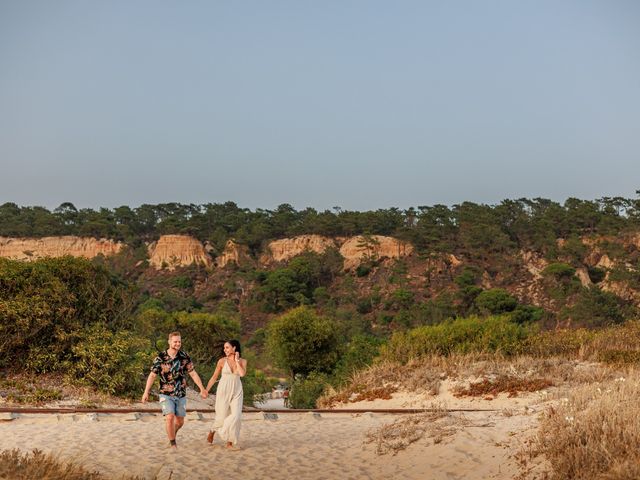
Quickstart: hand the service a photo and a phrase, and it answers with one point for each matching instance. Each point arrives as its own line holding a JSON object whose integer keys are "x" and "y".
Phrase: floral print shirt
{"x": 172, "y": 373}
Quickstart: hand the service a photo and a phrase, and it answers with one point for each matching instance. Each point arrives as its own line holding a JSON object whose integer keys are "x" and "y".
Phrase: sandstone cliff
{"x": 287, "y": 248}
{"x": 233, "y": 253}
{"x": 35, "y": 248}
{"x": 172, "y": 251}
{"x": 354, "y": 250}
{"x": 376, "y": 247}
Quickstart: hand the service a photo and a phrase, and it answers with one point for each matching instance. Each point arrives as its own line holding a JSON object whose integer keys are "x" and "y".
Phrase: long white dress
{"x": 229, "y": 398}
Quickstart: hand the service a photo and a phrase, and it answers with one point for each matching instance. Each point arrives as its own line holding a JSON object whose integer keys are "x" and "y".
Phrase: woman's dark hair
{"x": 235, "y": 343}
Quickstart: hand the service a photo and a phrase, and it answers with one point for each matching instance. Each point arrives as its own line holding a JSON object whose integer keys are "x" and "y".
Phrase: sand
{"x": 293, "y": 445}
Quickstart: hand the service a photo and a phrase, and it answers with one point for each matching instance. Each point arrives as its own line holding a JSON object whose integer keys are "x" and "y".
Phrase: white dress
{"x": 229, "y": 398}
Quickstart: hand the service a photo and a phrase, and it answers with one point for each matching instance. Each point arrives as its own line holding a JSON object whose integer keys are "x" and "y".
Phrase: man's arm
{"x": 150, "y": 379}
{"x": 196, "y": 378}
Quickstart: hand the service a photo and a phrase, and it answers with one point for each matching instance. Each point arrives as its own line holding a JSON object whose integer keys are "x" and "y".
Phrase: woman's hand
{"x": 237, "y": 356}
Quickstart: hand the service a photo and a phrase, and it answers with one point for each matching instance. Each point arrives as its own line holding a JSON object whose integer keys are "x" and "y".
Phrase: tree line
{"x": 534, "y": 223}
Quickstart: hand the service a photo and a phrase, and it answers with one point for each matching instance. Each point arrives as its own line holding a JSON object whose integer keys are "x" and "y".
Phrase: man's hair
{"x": 174, "y": 334}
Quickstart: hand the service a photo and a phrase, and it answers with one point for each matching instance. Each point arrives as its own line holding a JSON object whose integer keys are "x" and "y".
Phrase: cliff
{"x": 35, "y": 248}
{"x": 375, "y": 247}
{"x": 233, "y": 253}
{"x": 172, "y": 251}
{"x": 287, "y": 248}
{"x": 355, "y": 250}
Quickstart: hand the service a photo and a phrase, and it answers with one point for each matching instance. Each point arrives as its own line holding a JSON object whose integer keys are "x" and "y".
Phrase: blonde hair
{"x": 174, "y": 334}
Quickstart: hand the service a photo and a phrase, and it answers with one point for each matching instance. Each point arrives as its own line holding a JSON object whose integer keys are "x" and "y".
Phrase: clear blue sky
{"x": 358, "y": 104}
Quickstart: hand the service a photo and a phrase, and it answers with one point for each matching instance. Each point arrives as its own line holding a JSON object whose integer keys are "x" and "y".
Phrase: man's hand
{"x": 145, "y": 397}
{"x": 203, "y": 393}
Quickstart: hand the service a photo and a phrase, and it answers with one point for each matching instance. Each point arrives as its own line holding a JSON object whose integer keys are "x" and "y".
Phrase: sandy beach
{"x": 476, "y": 445}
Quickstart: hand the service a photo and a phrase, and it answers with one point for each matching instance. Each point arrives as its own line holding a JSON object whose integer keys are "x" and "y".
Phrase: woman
{"x": 229, "y": 394}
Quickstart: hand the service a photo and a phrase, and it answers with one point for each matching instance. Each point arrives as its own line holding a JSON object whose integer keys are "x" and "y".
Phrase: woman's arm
{"x": 215, "y": 375}
{"x": 241, "y": 367}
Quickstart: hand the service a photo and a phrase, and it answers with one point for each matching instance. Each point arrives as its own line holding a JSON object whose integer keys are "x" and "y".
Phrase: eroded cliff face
{"x": 376, "y": 247}
{"x": 355, "y": 250}
{"x": 172, "y": 251}
{"x": 35, "y": 248}
{"x": 286, "y": 248}
{"x": 233, "y": 253}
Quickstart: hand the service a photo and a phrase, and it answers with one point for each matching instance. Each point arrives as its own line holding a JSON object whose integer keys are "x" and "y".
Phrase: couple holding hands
{"x": 172, "y": 365}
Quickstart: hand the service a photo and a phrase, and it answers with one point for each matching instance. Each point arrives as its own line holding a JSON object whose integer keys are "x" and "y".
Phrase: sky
{"x": 355, "y": 104}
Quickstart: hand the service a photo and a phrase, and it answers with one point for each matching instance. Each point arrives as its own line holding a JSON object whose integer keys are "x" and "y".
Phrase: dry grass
{"x": 383, "y": 379}
{"x": 594, "y": 433}
{"x": 396, "y": 436}
{"x": 15, "y": 465}
{"x": 502, "y": 383}
{"x": 501, "y": 374}
{"x": 37, "y": 390}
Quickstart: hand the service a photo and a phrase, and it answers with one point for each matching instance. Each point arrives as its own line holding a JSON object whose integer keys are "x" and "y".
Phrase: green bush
{"x": 557, "y": 342}
{"x": 527, "y": 314}
{"x": 116, "y": 363}
{"x": 43, "y": 304}
{"x": 364, "y": 269}
{"x": 183, "y": 282}
{"x": 301, "y": 341}
{"x": 597, "y": 308}
{"x": 496, "y": 301}
{"x": 559, "y": 271}
{"x": 463, "y": 335}
{"x": 402, "y": 298}
{"x": 596, "y": 275}
{"x": 358, "y": 353}
{"x": 305, "y": 391}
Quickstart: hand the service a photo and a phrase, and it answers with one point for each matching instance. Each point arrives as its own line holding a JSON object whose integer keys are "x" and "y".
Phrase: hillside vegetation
{"x": 480, "y": 278}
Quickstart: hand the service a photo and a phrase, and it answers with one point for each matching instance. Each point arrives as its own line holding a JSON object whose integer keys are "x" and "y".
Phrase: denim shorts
{"x": 173, "y": 405}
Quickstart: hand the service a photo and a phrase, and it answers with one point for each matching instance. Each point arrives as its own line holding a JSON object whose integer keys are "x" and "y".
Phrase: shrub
{"x": 402, "y": 298}
{"x": 364, "y": 269}
{"x": 597, "y": 308}
{"x": 496, "y": 301}
{"x": 357, "y": 354}
{"x": 559, "y": 271}
{"x": 183, "y": 282}
{"x": 473, "y": 334}
{"x": 112, "y": 362}
{"x": 558, "y": 342}
{"x": 43, "y": 304}
{"x": 301, "y": 341}
{"x": 596, "y": 275}
{"x": 527, "y": 314}
{"x": 595, "y": 433}
{"x": 305, "y": 391}
{"x": 36, "y": 464}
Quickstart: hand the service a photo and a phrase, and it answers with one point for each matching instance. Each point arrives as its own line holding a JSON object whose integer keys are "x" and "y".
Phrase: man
{"x": 172, "y": 365}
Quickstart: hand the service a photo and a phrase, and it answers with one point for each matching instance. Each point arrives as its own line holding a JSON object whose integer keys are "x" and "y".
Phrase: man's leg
{"x": 179, "y": 422}
{"x": 170, "y": 423}
{"x": 169, "y": 412}
{"x": 181, "y": 412}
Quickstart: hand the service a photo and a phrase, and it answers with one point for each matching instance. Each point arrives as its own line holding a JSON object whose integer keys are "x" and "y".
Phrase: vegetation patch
{"x": 503, "y": 383}
{"x": 593, "y": 433}
{"x": 359, "y": 393}
{"x": 394, "y": 437}
{"x": 36, "y": 464}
